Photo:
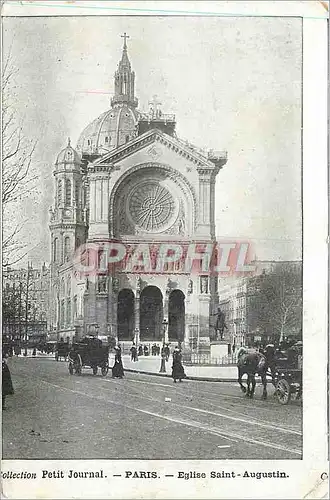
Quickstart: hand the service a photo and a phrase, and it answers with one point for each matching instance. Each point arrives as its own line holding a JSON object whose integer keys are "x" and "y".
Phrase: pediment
{"x": 152, "y": 141}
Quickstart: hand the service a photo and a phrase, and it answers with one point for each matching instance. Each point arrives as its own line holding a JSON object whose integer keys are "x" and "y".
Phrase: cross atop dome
{"x": 125, "y": 36}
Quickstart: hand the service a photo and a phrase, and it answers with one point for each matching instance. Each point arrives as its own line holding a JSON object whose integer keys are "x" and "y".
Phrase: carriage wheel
{"x": 71, "y": 368}
{"x": 94, "y": 370}
{"x": 283, "y": 391}
{"x": 104, "y": 370}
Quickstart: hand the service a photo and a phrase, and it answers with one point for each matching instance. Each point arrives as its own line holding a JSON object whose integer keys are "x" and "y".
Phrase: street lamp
{"x": 136, "y": 339}
{"x": 165, "y": 325}
{"x": 163, "y": 354}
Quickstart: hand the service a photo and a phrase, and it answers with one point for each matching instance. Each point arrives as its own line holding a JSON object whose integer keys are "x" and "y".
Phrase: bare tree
{"x": 18, "y": 175}
{"x": 275, "y": 301}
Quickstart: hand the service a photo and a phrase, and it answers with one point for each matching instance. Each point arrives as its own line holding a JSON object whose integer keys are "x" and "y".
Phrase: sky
{"x": 233, "y": 83}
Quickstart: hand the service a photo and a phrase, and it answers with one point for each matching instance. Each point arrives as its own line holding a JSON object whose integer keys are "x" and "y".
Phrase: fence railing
{"x": 206, "y": 359}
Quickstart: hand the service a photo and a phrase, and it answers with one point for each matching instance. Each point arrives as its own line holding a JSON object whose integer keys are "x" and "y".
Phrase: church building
{"x": 130, "y": 179}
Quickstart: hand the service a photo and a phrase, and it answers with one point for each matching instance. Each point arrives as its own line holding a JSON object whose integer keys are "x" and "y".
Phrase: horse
{"x": 250, "y": 361}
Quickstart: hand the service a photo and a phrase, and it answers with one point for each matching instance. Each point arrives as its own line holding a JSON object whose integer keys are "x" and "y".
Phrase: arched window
{"x": 67, "y": 248}
{"x": 55, "y": 250}
{"x": 68, "y": 311}
{"x": 68, "y": 192}
{"x": 62, "y": 290}
{"x": 68, "y": 286}
{"x": 62, "y": 313}
{"x": 75, "y": 307}
{"x": 59, "y": 192}
{"x": 77, "y": 194}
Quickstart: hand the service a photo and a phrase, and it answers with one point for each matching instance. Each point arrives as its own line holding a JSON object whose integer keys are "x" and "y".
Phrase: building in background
{"x": 265, "y": 307}
{"x": 26, "y": 301}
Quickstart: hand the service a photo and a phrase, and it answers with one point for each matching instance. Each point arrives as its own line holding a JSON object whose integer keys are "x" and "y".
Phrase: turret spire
{"x": 124, "y": 79}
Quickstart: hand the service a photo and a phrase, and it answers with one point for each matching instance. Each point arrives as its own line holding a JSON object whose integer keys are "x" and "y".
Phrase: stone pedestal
{"x": 219, "y": 349}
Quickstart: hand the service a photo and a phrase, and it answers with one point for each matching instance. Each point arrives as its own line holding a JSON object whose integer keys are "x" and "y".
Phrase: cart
{"x": 62, "y": 351}
{"x": 288, "y": 384}
{"x": 89, "y": 353}
{"x": 288, "y": 376}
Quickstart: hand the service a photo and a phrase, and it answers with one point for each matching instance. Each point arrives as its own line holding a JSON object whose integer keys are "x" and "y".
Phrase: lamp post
{"x": 165, "y": 325}
{"x": 136, "y": 340}
{"x": 163, "y": 354}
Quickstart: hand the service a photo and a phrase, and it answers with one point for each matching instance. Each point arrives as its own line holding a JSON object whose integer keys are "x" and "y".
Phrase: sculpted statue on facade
{"x": 204, "y": 284}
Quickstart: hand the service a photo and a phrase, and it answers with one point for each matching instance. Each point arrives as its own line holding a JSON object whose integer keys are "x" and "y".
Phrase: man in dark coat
{"x": 133, "y": 352}
{"x": 177, "y": 368}
{"x": 7, "y": 385}
{"x": 118, "y": 369}
{"x": 167, "y": 352}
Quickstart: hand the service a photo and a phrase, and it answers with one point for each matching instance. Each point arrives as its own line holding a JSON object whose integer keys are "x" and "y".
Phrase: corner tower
{"x": 68, "y": 230}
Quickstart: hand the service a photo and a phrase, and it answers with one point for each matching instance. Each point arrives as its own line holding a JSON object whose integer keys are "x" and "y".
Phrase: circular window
{"x": 151, "y": 206}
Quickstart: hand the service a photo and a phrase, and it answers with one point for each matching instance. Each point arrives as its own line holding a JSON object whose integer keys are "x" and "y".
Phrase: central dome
{"x": 110, "y": 130}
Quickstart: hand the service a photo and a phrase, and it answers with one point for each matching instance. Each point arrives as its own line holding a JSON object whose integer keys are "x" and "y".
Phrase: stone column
{"x": 166, "y": 296}
{"x": 205, "y": 198}
{"x": 99, "y": 179}
{"x": 114, "y": 308}
{"x": 137, "y": 315}
{"x": 204, "y": 315}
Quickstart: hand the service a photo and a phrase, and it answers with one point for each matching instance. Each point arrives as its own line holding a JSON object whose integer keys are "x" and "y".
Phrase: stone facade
{"x": 139, "y": 185}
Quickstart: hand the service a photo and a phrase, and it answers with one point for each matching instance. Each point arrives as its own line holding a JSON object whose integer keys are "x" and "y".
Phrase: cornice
{"x": 148, "y": 138}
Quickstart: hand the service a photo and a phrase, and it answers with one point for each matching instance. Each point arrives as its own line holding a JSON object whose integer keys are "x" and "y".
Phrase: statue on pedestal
{"x": 220, "y": 324}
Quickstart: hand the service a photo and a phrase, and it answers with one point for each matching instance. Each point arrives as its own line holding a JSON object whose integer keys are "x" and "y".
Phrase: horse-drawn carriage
{"x": 62, "y": 350}
{"x": 284, "y": 367}
{"x": 288, "y": 374}
{"x": 89, "y": 353}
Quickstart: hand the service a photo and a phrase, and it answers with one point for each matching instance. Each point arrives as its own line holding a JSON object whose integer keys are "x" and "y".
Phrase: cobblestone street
{"x": 53, "y": 415}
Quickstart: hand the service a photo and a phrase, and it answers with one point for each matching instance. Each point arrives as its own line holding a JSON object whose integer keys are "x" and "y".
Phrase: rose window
{"x": 151, "y": 206}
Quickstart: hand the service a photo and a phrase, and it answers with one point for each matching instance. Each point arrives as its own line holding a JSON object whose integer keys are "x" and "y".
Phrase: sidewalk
{"x": 151, "y": 364}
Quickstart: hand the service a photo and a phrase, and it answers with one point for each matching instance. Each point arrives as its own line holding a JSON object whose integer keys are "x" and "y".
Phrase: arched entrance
{"x": 125, "y": 314}
{"x": 176, "y": 315}
{"x": 151, "y": 313}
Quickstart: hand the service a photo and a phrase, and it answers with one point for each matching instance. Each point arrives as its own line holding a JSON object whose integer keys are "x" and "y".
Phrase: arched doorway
{"x": 125, "y": 314}
{"x": 176, "y": 315}
{"x": 151, "y": 313}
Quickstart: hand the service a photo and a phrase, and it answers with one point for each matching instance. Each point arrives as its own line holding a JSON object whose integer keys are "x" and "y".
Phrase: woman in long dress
{"x": 177, "y": 368}
{"x": 118, "y": 369}
{"x": 7, "y": 385}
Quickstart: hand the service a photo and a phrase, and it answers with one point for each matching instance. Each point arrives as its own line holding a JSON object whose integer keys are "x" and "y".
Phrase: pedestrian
{"x": 34, "y": 352}
{"x": 17, "y": 349}
{"x": 7, "y": 385}
{"x": 146, "y": 350}
{"x": 133, "y": 352}
{"x": 177, "y": 368}
{"x": 167, "y": 352}
{"x": 163, "y": 359}
{"x": 118, "y": 369}
{"x": 140, "y": 352}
